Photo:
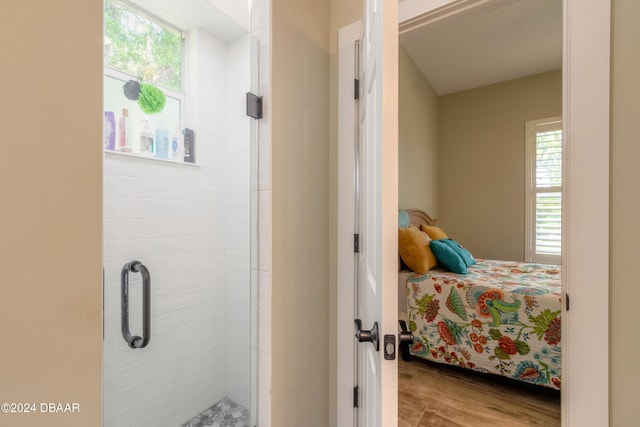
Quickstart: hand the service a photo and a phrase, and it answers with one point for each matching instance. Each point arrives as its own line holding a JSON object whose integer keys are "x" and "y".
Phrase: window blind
{"x": 548, "y": 189}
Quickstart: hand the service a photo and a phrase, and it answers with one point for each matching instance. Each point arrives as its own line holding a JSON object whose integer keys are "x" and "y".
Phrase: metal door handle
{"x": 405, "y": 340}
{"x": 367, "y": 336}
{"x": 135, "y": 341}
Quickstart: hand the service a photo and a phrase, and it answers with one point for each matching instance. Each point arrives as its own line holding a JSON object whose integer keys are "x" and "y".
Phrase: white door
{"x": 376, "y": 216}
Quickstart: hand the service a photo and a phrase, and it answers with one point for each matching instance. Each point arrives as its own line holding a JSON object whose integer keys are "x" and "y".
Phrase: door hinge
{"x": 356, "y": 243}
{"x": 254, "y": 105}
{"x": 566, "y": 301}
{"x": 356, "y": 391}
{"x": 356, "y": 89}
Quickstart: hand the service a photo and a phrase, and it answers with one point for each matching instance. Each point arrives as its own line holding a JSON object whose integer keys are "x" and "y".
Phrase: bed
{"x": 502, "y": 317}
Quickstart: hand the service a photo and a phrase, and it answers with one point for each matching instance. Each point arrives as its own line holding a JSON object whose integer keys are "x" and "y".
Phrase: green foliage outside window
{"x": 138, "y": 46}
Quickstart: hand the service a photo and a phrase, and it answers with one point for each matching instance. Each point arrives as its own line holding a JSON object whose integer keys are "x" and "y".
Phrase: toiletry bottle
{"x": 162, "y": 144}
{"x": 176, "y": 148}
{"x": 146, "y": 140}
{"x": 189, "y": 145}
{"x": 124, "y": 132}
{"x": 109, "y": 141}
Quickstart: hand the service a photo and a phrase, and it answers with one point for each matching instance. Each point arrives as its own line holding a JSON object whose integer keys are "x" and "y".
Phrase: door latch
{"x": 390, "y": 347}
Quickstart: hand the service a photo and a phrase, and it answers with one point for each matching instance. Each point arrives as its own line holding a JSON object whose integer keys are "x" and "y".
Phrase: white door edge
{"x": 585, "y": 358}
{"x": 345, "y": 346}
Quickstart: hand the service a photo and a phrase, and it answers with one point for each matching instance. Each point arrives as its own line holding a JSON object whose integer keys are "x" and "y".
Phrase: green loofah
{"x": 151, "y": 99}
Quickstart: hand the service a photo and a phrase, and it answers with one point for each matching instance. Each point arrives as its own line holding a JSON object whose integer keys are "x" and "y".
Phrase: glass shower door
{"x": 179, "y": 219}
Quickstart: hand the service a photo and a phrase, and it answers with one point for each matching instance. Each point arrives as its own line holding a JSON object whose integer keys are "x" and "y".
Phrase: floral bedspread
{"x": 503, "y": 317}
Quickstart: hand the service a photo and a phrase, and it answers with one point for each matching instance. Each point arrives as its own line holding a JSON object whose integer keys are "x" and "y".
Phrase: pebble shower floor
{"x": 225, "y": 413}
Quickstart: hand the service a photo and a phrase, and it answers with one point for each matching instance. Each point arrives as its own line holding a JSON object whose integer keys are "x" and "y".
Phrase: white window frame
{"x": 125, "y": 76}
{"x": 532, "y": 128}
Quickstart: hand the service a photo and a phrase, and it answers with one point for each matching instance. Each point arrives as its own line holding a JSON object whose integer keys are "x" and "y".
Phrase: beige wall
{"x": 625, "y": 211}
{"x": 417, "y": 139}
{"x": 481, "y": 161}
{"x": 300, "y": 150}
{"x": 51, "y": 209}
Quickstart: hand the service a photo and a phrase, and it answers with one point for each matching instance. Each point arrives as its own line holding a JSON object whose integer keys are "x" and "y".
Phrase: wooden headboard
{"x": 418, "y": 217}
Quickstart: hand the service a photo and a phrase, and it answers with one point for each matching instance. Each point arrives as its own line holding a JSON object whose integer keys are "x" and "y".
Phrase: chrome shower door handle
{"x": 135, "y": 341}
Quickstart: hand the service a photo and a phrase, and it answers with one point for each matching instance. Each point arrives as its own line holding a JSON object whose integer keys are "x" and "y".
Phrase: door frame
{"x": 346, "y": 262}
{"x": 586, "y": 45}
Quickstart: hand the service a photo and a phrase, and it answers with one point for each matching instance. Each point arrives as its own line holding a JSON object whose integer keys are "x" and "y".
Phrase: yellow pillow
{"x": 434, "y": 232}
{"x": 414, "y": 249}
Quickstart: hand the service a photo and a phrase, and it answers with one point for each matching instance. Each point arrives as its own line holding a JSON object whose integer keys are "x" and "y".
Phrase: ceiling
{"x": 503, "y": 40}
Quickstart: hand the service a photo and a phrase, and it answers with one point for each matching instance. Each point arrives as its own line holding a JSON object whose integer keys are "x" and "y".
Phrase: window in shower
{"x": 142, "y": 46}
{"x": 143, "y": 93}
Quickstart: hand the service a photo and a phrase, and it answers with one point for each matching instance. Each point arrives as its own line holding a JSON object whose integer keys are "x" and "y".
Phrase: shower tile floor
{"x": 225, "y": 413}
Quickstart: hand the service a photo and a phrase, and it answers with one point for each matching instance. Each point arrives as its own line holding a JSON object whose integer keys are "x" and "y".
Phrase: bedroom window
{"x": 543, "y": 237}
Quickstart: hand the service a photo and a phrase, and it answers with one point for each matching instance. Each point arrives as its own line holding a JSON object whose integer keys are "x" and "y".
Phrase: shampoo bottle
{"x": 124, "y": 132}
{"x": 176, "y": 147}
{"x": 162, "y": 144}
{"x": 109, "y": 141}
{"x": 146, "y": 141}
{"x": 189, "y": 145}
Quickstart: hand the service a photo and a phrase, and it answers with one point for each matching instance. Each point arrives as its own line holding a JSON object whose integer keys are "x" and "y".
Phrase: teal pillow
{"x": 464, "y": 253}
{"x": 447, "y": 257}
{"x": 403, "y": 219}
{"x": 451, "y": 255}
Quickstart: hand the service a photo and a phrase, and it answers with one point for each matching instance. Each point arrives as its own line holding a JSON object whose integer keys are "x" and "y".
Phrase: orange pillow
{"x": 434, "y": 232}
{"x": 414, "y": 249}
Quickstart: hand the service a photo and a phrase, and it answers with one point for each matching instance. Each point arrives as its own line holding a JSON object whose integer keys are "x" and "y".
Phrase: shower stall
{"x": 180, "y": 216}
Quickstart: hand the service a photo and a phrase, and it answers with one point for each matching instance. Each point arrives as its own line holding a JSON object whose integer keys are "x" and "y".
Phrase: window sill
{"x": 155, "y": 159}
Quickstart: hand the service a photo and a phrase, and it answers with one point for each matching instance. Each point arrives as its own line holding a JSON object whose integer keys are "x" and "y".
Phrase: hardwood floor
{"x": 430, "y": 394}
